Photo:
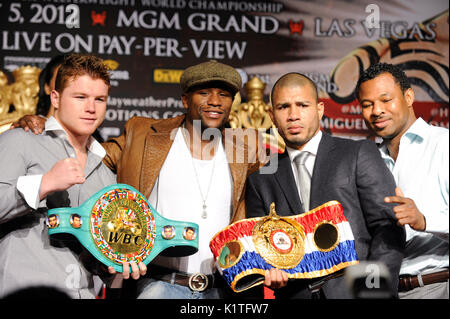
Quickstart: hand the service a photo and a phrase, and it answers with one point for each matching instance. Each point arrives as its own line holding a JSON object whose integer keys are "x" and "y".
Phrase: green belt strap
{"x": 117, "y": 224}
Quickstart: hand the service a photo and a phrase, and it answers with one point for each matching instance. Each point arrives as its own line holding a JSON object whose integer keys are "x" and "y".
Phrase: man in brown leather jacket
{"x": 173, "y": 161}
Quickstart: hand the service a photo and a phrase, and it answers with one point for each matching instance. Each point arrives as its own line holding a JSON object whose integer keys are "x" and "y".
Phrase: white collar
{"x": 312, "y": 146}
{"x": 419, "y": 128}
{"x": 93, "y": 145}
{"x": 418, "y": 131}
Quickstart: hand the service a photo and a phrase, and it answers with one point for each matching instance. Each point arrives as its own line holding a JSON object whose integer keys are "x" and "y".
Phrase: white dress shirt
{"x": 311, "y": 147}
{"x": 422, "y": 173}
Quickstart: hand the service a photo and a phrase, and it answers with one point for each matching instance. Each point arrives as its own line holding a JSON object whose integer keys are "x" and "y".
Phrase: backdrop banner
{"x": 148, "y": 43}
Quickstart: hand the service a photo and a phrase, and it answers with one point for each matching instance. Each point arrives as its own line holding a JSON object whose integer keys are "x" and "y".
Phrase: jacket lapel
{"x": 157, "y": 146}
{"x": 285, "y": 178}
{"x": 322, "y": 166}
{"x": 238, "y": 170}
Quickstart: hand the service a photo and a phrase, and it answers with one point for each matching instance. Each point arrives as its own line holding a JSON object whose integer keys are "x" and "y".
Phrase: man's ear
{"x": 409, "y": 97}
{"x": 54, "y": 99}
{"x": 185, "y": 100}
{"x": 320, "y": 109}
{"x": 270, "y": 111}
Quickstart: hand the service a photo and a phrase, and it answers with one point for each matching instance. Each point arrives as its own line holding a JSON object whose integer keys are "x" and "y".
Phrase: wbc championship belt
{"x": 314, "y": 244}
{"x": 117, "y": 224}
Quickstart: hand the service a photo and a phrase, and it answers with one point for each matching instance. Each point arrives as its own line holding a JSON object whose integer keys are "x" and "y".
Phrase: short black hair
{"x": 379, "y": 68}
{"x": 308, "y": 80}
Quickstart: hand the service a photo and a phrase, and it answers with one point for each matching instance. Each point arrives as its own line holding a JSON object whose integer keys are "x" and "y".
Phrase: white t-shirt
{"x": 176, "y": 195}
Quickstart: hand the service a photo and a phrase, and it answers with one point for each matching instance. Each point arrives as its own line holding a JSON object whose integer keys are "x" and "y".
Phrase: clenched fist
{"x": 61, "y": 176}
{"x": 275, "y": 278}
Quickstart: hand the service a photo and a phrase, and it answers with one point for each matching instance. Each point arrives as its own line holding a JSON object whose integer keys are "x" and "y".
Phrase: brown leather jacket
{"x": 139, "y": 153}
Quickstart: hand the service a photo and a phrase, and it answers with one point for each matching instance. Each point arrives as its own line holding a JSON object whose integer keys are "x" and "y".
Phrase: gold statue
{"x": 254, "y": 113}
{"x": 25, "y": 90}
{"x": 22, "y": 94}
{"x": 5, "y": 95}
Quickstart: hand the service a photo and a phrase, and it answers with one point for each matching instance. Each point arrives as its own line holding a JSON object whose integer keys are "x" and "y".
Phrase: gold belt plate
{"x": 279, "y": 241}
{"x": 123, "y": 226}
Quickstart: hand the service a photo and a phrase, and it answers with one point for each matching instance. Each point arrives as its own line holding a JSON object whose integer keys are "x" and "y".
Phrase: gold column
{"x": 255, "y": 113}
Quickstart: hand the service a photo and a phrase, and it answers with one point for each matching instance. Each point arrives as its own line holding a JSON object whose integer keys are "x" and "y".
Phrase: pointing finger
{"x": 398, "y": 192}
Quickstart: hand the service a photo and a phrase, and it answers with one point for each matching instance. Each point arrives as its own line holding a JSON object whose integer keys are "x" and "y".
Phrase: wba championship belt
{"x": 314, "y": 244}
{"x": 118, "y": 225}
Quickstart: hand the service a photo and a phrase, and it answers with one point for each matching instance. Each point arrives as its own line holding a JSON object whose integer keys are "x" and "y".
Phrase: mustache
{"x": 295, "y": 125}
{"x": 379, "y": 117}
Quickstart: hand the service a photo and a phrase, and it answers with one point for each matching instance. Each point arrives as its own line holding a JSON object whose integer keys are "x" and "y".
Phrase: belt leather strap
{"x": 407, "y": 283}
{"x": 196, "y": 282}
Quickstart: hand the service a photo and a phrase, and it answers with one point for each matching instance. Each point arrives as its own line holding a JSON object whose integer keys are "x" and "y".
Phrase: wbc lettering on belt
{"x": 123, "y": 225}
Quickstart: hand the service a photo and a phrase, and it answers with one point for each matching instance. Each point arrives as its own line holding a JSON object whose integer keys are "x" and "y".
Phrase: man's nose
{"x": 377, "y": 109}
{"x": 90, "y": 106}
{"x": 214, "y": 99}
{"x": 294, "y": 113}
